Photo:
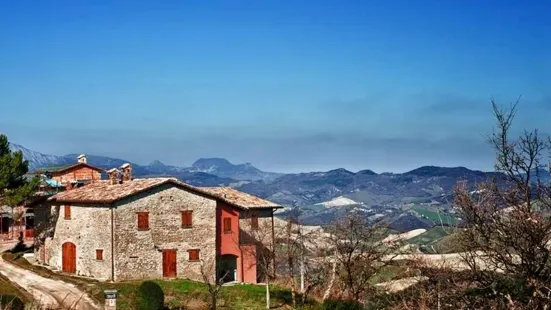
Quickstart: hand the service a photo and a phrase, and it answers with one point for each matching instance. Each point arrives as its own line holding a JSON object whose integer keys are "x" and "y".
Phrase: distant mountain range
{"x": 204, "y": 172}
{"x": 415, "y": 199}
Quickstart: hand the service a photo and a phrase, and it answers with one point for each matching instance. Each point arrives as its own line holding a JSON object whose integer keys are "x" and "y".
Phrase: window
{"x": 143, "y": 220}
{"x": 187, "y": 219}
{"x": 99, "y": 254}
{"x": 227, "y": 225}
{"x": 254, "y": 220}
{"x": 193, "y": 255}
{"x": 67, "y": 212}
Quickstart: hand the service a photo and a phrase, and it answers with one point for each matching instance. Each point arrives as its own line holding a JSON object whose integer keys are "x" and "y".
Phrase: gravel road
{"x": 48, "y": 292}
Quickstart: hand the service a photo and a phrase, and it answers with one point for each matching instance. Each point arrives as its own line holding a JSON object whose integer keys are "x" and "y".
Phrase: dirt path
{"x": 47, "y": 292}
{"x": 394, "y": 286}
{"x": 453, "y": 260}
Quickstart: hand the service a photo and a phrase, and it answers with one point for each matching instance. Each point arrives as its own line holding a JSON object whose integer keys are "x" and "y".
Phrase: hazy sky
{"x": 286, "y": 85}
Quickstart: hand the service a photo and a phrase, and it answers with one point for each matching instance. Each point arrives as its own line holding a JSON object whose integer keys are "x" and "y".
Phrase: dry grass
{"x": 9, "y": 291}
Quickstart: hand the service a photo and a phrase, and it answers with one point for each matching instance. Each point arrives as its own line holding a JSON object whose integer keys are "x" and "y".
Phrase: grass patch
{"x": 432, "y": 235}
{"x": 437, "y": 217}
{"x": 448, "y": 244}
{"x": 437, "y": 240}
{"x": 194, "y": 295}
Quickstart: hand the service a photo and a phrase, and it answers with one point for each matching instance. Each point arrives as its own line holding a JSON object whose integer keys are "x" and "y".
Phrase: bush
{"x": 337, "y": 304}
{"x": 150, "y": 296}
{"x": 11, "y": 302}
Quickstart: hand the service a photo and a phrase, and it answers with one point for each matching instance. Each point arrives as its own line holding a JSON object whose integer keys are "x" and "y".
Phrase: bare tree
{"x": 298, "y": 250}
{"x": 291, "y": 250}
{"x": 359, "y": 254}
{"x": 508, "y": 223}
{"x": 260, "y": 240}
{"x": 212, "y": 281}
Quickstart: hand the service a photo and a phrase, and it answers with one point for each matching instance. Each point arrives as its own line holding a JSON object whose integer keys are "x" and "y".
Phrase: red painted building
{"x": 242, "y": 233}
{"x": 72, "y": 175}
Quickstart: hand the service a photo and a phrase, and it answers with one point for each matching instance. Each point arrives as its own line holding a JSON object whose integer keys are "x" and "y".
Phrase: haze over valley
{"x": 420, "y": 198}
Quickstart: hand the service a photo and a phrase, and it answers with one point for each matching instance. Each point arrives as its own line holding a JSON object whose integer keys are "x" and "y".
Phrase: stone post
{"x": 110, "y": 299}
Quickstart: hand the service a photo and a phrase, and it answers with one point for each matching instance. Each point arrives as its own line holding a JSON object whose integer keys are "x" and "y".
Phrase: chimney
{"x": 126, "y": 172}
{"x": 81, "y": 158}
{"x": 113, "y": 175}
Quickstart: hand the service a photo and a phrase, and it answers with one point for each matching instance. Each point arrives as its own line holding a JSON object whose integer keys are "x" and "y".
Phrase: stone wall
{"x": 138, "y": 254}
{"x": 261, "y": 235}
{"x": 45, "y": 219}
{"x": 89, "y": 229}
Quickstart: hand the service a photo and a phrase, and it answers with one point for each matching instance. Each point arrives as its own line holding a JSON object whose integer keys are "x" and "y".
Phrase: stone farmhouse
{"x": 126, "y": 228}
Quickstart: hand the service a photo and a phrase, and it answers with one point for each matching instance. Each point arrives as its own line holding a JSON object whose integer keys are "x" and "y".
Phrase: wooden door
{"x": 169, "y": 263}
{"x": 69, "y": 258}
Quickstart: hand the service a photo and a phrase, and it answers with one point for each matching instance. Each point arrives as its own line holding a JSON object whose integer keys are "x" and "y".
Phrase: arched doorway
{"x": 227, "y": 268}
{"x": 69, "y": 257}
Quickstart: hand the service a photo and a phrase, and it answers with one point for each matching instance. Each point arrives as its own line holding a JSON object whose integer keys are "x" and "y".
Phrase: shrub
{"x": 338, "y": 304}
{"x": 11, "y": 302}
{"x": 150, "y": 296}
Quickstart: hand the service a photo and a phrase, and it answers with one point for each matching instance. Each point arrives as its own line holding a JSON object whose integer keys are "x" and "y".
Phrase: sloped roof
{"x": 65, "y": 168}
{"x": 235, "y": 197}
{"x": 105, "y": 192}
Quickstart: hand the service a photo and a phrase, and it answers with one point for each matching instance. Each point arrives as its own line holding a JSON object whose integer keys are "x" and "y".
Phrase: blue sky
{"x": 286, "y": 85}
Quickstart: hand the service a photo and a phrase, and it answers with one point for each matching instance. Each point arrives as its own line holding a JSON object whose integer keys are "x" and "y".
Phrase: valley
{"x": 417, "y": 199}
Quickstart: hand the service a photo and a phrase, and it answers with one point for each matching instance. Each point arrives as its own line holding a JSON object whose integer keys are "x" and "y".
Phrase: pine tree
{"x": 14, "y": 187}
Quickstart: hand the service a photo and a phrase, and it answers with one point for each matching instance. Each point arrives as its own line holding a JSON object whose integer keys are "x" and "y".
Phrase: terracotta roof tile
{"x": 237, "y": 198}
{"x": 65, "y": 168}
{"x": 105, "y": 192}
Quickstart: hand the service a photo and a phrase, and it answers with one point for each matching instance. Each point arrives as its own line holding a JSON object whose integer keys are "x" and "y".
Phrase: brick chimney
{"x": 81, "y": 158}
{"x": 113, "y": 175}
{"x": 126, "y": 172}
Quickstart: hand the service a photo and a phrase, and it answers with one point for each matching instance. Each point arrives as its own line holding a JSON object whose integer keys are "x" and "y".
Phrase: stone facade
{"x": 263, "y": 234}
{"x": 138, "y": 254}
{"x": 88, "y": 228}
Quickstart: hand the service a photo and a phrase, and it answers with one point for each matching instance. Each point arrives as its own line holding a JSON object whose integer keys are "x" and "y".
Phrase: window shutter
{"x": 99, "y": 254}
{"x": 187, "y": 219}
{"x": 143, "y": 220}
{"x": 254, "y": 220}
{"x": 67, "y": 212}
{"x": 227, "y": 224}
{"x": 193, "y": 254}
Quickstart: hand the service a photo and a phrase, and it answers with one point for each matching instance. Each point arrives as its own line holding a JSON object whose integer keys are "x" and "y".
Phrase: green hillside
{"x": 438, "y": 218}
{"x": 439, "y": 240}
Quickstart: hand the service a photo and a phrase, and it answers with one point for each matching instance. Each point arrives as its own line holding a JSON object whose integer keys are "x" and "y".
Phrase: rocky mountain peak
{"x": 214, "y": 162}
{"x": 157, "y": 164}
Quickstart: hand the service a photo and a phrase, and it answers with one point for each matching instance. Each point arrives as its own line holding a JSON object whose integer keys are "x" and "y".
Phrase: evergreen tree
{"x": 14, "y": 187}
